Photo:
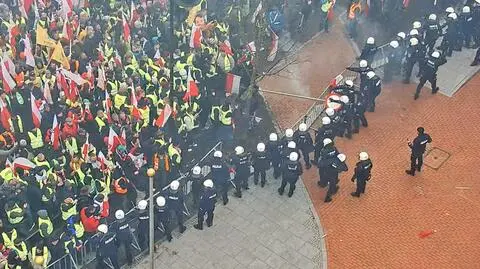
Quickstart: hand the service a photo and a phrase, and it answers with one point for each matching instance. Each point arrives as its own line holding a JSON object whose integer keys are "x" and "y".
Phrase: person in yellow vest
{"x": 101, "y": 123}
{"x": 175, "y": 155}
{"x": 71, "y": 145}
{"x": 226, "y": 115}
{"x": 21, "y": 248}
{"x": 215, "y": 115}
{"x": 15, "y": 213}
{"x": 68, "y": 208}
{"x": 120, "y": 98}
{"x": 40, "y": 160}
{"x": 75, "y": 226}
{"x": 16, "y": 126}
{"x": 45, "y": 225}
{"x": 40, "y": 256}
{"x": 354, "y": 10}
{"x": 36, "y": 140}
{"x": 8, "y": 236}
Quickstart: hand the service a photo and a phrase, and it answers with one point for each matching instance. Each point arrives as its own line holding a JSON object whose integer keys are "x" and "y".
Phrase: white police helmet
{"x": 208, "y": 183}
{"x": 261, "y": 147}
{"x": 432, "y": 17}
{"x": 342, "y": 157}
{"x": 394, "y": 44}
{"x": 291, "y": 145}
{"x": 217, "y": 154}
{"x": 302, "y": 127}
{"x": 370, "y": 74}
{"x": 119, "y": 214}
{"x": 161, "y": 201}
{"x": 402, "y": 35}
{"x": 363, "y": 156}
{"x": 273, "y": 137}
{"x": 327, "y": 141}
{"x": 370, "y": 41}
{"x": 326, "y": 120}
{"x": 417, "y": 25}
{"x": 413, "y": 41}
{"x": 450, "y": 10}
{"x": 103, "y": 228}
{"x": 344, "y": 99}
{"x": 436, "y": 54}
{"x": 142, "y": 204}
{"x": 413, "y": 32}
{"x": 239, "y": 150}
{"x": 293, "y": 156}
{"x": 349, "y": 83}
{"x": 197, "y": 170}
{"x": 289, "y": 132}
{"x": 452, "y": 16}
{"x": 330, "y": 112}
{"x": 466, "y": 9}
{"x": 363, "y": 63}
{"x": 174, "y": 185}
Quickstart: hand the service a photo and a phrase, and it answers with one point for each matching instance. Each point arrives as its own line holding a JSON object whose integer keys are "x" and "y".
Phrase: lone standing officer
{"x": 362, "y": 173}
{"x": 418, "y": 147}
{"x": 429, "y": 72}
{"x": 207, "y": 205}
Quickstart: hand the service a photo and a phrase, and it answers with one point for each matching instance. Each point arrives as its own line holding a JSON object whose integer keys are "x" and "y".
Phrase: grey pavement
{"x": 260, "y": 230}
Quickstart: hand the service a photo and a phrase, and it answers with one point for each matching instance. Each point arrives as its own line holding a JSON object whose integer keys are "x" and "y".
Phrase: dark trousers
{"x": 408, "y": 69}
{"x": 306, "y": 157}
{"x": 357, "y": 118}
{"x": 347, "y": 127}
{"x": 223, "y": 190}
{"x": 128, "y": 249}
{"x": 323, "y": 181}
{"x": 477, "y": 56}
{"x": 361, "y": 184}
{"x": 390, "y": 69}
{"x": 290, "y": 181}
{"x": 241, "y": 180}
{"x": 276, "y": 168}
{"x": 262, "y": 174}
{"x": 143, "y": 238}
{"x": 178, "y": 212}
{"x": 164, "y": 226}
{"x": 332, "y": 186}
{"x": 416, "y": 162}
{"x": 201, "y": 216}
{"x": 101, "y": 262}
{"x": 423, "y": 80}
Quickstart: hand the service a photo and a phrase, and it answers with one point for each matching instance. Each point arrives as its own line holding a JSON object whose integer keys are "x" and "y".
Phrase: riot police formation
{"x": 374, "y": 87}
{"x": 332, "y": 167}
{"x": 107, "y": 248}
{"x": 162, "y": 217}
{"x": 327, "y": 153}
{"x": 362, "y": 173}
{"x": 433, "y": 31}
{"x": 197, "y": 183}
{"x": 414, "y": 54}
{"x": 369, "y": 50}
{"x": 362, "y": 69}
{"x": 143, "y": 217}
{"x": 124, "y": 235}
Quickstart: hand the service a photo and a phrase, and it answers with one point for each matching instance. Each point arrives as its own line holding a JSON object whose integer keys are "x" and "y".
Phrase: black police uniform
{"x": 162, "y": 218}
{"x": 242, "y": 172}
{"x": 418, "y": 147}
{"x": 274, "y": 149}
{"x": 363, "y": 74}
{"x": 394, "y": 62}
{"x": 359, "y": 109}
{"x": 429, "y": 73}
{"x": 414, "y": 54}
{"x": 175, "y": 202}
{"x": 207, "y": 206}
{"x": 326, "y": 131}
{"x": 466, "y": 28}
{"x": 327, "y": 154}
{"x": 362, "y": 174}
{"x": 197, "y": 185}
{"x": 107, "y": 249}
{"x": 346, "y": 114}
{"x": 449, "y": 42}
{"x": 291, "y": 170}
{"x": 304, "y": 143}
{"x": 432, "y": 33}
{"x": 260, "y": 164}
{"x": 345, "y": 90}
{"x": 124, "y": 237}
{"x": 368, "y": 52}
{"x": 374, "y": 88}
{"x": 143, "y": 229}
{"x": 332, "y": 168}
{"x": 221, "y": 177}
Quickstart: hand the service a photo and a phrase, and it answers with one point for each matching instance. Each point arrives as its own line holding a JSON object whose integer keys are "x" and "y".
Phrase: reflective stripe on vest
{"x": 79, "y": 229}
{"x": 118, "y": 189}
{"x": 16, "y": 220}
{"x": 172, "y": 151}
{"x": 212, "y": 113}
{"x": 8, "y": 241}
{"x": 100, "y": 123}
{"x": 19, "y": 123}
{"x": 226, "y": 120}
{"x": 36, "y": 140}
{"x": 72, "y": 211}
{"x": 45, "y": 255}
{"x": 71, "y": 147}
{"x": 119, "y": 100}
{"x": 353, "y": 8}
{"x": 49, "y": 226}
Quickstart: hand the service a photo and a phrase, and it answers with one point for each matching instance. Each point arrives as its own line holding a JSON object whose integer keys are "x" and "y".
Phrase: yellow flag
{"x": 42, "y": 37}
{"x": 58, "y": 55}
{"x": 192, "y": 13}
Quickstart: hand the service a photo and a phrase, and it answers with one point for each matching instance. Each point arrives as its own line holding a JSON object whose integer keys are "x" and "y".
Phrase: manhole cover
{"x": 435, "y": 158}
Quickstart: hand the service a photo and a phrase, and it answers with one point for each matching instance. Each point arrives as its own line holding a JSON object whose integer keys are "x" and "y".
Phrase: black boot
{"x": 434, "y": 91}
{"x": 354, "y": 194}
{"x": 415, "y": 97}
{"x": 182, "y": 229}
{"x": 280, "y": 191}
{"x": 328, "y": 199}
{"x": 410, "y": 172}
{"x": 198, "y": 226}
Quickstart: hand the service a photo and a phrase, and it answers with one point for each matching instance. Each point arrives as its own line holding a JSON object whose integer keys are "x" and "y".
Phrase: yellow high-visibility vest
{"x": 49, "y": 226}
{"x": 72, "y": 147}
{"x": 100, "y": 123}
{"x": 224, "y": 118}
{"x": 36, "y": 140}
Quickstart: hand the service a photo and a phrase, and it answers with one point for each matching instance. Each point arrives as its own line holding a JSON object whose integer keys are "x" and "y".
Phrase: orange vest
{"x": 353, "y": 8}
{"x": 118, "y": 189}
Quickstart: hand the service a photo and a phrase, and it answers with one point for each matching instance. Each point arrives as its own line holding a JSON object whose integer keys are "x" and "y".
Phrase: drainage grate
{"x": 435, "y": 158}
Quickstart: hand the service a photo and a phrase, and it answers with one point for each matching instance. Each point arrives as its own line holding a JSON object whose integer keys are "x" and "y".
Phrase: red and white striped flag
{"x": 192, "y": 88}
{"x": 133, "y": 99}
{"x": 8, "y": 82}
{"x": 232, "y": 84}
{"x": 47, "y": 94}
{"x": 36, "y": 116}
{"x": 67, "y": 31}
{"x": 22, "y": 163}
{"x": 108, "y": 105}
{"x": 9, "y": 64}
{"x": 55, "y": 136}
{"x": 134, "y": 16}
{"x": 25, "y": 6}
{"x": 126, "y": 29}
{"x": 5, "y": 115}
{"x": 101, "y": 80}
{"x": 114, "y": 140}
{"x": 164, "y": 116}
{"x": 66, "y": 9}
{"x": 85, "y": 148}
{"x": 30, "y": 60}
{"x": 273, "y": 48}
{"x": 196, "y": 37}
{"x": 102, "y": 160}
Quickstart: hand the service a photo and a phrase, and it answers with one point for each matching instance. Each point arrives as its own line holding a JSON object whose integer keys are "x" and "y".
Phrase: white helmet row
{"x": 413, "y": 41}
{"x": 289, "y": 133}
{"x": 208, "y": 183}
{"x": 142, "y": 204}
{"x": 363, "y": 156}
{"x": 239, "y": 150}
{"x": 370, "y": 41}
{"x": 417, "y": 25}
{"x": 327, "y": 141}
{"x": 302, "y": 127}
{"x": 370, "y": 74}
{"x": 326, "y": 120}
{"x": 174, "y": 185}
{"x": 291, "y": 145}
{"x": 329, "y": 111}
{"x": 342, "y": 157}
{"x": 432, "y": 17}
{"x": 394, "y": 44}
{"x": 119, "y": 214}
{"x": 161, "y": 201}
{"x": 261, "y": 147}
{"x": 273, "y": 137}
{"x": 293, "y": 156}
{"x": 197, "y": 170}
{"x": 217, "y": 154}
{"x": 363, "y": 63}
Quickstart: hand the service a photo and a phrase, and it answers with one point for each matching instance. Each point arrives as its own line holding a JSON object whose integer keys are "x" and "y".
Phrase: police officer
{"x": 325, "y": 131}
{"x": 107, "y": 248}
{"x": 332, "y": 168}
{"x": 304, "y": 143}
{"x": 197, "y": 183}
{"x": 124, "y": 235}
{"x": 394, "y": 61}
{"x": 374, "y": 86}
{"x": 274, "y": 150}
{"x": 207, "y": 205}
{"x": 291, "y": 170}
{"x": 143, "y": 224}
{"x": 162, "y": 217}
{"x": 359, "y": 109}
{"x": 175, "y": 202}
{"x": 346, "y": 89}
{"x": 418, "y": 147}
{"x": 466, "y": 26}
{"x": 429, "y": 72}
{"x": 345, "y": 126}
{"x": 362, "y": 173}
{"x": 328, "y": 152}
{"x": 363, "y": 69}
{"x": 260, "y": 164}
{"x": 242, "y": 170}
{"x": 414, "y": 55}
{"x": 432, "y": 32}
{"x": 369, "y": 50}
{"x": 287, "y": 138}
{"x": 220, "y": 175}
{"x": 449, "y": 42}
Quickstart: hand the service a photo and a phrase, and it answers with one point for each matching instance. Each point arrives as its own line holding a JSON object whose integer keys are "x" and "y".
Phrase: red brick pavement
{"x": 330, "y": 53}
{"x": 380, "y": 229}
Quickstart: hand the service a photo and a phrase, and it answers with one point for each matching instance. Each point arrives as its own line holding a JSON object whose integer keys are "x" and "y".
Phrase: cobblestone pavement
{"x": 261, "y": 230}
{"x": 382, "y": 229}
